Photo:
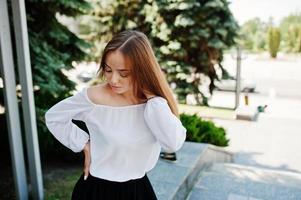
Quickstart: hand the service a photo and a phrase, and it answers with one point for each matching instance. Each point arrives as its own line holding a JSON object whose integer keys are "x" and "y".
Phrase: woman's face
{"x": 118, "y": 72}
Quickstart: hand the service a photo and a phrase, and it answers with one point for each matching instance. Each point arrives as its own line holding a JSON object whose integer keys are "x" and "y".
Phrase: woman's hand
{"x": 148, "y": 94}
{"x": 87, "y": 160}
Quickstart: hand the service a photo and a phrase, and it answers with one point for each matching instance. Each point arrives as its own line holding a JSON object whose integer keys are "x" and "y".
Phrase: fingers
{"x": 86, "y": 174}
{"x": 149, "y": 95}
{"x": 87, "y": 165}
{"x": 86, "y": 171}
{"x": 87, "y": 160}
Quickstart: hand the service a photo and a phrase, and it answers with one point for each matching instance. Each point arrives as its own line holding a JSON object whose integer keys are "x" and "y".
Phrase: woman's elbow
{"x": 46, "y": 116}
{"x": 177, "y": 143}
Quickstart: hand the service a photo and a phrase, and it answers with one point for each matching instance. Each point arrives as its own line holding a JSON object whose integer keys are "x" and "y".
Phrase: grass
{"x": 207, "y": 112}
{"x": 59, "y": 183}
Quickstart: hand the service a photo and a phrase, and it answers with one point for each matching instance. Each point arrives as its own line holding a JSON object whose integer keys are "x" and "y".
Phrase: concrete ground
{"x": 274, "y": 140}
{"x": 267, "y": 162}
{"x": 227, "y": 181}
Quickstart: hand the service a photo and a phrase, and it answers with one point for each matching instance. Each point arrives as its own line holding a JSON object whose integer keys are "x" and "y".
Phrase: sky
{"x": 244, "y": 10}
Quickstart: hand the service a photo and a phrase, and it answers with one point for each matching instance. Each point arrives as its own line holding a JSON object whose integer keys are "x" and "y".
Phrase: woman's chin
{"x": 117, "y": 91}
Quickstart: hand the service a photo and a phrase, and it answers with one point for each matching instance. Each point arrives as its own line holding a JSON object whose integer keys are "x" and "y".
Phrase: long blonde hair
{"x": 146, "y": 72}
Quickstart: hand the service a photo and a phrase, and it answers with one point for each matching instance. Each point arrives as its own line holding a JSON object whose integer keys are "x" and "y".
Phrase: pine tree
{"x": 188, "y": 37}
{"x": 53, "y": 48}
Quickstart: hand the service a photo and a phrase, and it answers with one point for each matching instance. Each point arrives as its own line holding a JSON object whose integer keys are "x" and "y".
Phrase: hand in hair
{"x": 148, "y": 94}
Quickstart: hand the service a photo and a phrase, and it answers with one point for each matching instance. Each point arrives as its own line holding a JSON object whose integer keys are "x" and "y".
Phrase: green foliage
{"x": 273, "y": 41}
{"x": 290, "y": 27}
{"x": 294, "y": 38}
{"x": 252, "y": 35}
{"x": 197, "y": 33}
{"x": 188, "y": 36}
{"x": 53, "y": 48}
{"x": 199, "y": 130}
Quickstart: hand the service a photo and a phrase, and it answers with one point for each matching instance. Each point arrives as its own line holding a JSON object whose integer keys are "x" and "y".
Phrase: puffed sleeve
{"x": 165, "y": 126}
{"x": 59, "y": 120}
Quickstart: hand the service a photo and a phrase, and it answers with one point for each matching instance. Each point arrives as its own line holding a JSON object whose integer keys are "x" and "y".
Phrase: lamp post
{"x": 239, "y": 56}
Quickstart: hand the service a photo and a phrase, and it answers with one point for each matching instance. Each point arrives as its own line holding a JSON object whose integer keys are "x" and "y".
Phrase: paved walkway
{"x": 237, "y": 182}
{"x": 267, "y": 162}
{"x": 273, "y": 141}
{"x": 174, "y": 180}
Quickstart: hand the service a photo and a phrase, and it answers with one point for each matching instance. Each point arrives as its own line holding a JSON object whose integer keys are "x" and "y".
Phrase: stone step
{"x": 225, "y": 181}
{"x": 249, "y": 113}
{"x": 174, "y": 180}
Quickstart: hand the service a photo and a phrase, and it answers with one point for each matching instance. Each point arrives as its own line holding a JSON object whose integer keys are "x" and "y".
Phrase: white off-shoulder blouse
{"x": 125, "y": 141}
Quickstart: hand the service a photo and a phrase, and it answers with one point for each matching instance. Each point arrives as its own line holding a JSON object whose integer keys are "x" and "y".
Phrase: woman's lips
{"x": 114, "y": 87}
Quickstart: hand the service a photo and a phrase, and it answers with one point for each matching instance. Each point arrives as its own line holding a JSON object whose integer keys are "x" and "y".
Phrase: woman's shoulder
{"x": 98, "y": 94}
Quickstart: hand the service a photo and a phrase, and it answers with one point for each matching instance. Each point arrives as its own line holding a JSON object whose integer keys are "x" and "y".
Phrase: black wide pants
{"x": 96, "y": 188}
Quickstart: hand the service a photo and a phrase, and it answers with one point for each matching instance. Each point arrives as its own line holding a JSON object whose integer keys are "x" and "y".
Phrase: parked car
{"x": 86, "y": 76}
{"x": 230, "y": 85}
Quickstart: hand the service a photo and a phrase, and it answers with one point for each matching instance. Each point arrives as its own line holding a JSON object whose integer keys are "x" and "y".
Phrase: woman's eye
{"x": 124, "y": 75}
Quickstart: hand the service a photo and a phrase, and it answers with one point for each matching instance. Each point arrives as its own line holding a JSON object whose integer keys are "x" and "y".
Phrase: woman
{"x": 129, "y": 117}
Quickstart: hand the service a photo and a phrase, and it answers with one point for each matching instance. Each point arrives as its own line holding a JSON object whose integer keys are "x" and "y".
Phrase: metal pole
{"x": 11, "y": 105}
{"x": 28, "y": 105}
{"x": 238, "y": 77}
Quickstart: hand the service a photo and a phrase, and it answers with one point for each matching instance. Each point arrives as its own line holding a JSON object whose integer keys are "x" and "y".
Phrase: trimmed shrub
{"x": 199, "y": 130}
{"x": 273, "y": 41}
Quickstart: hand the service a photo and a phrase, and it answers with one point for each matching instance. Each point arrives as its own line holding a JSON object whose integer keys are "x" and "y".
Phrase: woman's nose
{"x": 115, "y": 78}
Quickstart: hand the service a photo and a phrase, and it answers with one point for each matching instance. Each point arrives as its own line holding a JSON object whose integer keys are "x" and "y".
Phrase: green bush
{"x": 199, "y": 130}
{"x": 290, "y": 28}
{"x": 294, "y": 38}
{"x": 273, "y": 41}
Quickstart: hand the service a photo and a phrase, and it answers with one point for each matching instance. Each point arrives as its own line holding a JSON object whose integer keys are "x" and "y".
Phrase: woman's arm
{"x": 166, "y": 127}
{"x": 59, "y": 121}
